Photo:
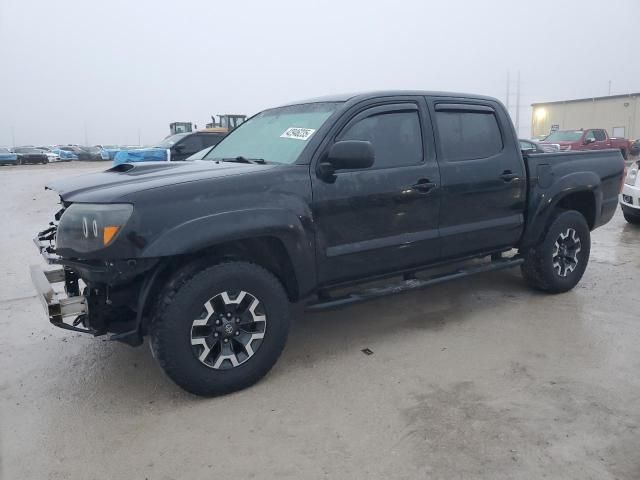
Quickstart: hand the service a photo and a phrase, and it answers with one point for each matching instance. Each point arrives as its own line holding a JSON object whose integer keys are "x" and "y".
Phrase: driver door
{"x": 383, "y": 218}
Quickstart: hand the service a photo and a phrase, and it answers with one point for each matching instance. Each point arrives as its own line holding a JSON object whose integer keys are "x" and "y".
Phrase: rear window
{"x": 468, "y": 135}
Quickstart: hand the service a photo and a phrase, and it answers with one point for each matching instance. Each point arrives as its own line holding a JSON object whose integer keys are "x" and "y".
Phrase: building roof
{"x": 590, "y": 99}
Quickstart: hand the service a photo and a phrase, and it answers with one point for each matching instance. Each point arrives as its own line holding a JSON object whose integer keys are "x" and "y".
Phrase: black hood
{"x": 117, "y": 182}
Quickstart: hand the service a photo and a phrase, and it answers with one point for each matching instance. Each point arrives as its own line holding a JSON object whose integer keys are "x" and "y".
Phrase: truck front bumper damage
{"x": 113, "y": 300}
{"x": 57, "y": 306}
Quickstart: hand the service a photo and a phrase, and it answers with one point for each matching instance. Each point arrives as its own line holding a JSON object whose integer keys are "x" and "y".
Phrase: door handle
{"x": 509, "y": 176}
{"x": 424, "y": 185}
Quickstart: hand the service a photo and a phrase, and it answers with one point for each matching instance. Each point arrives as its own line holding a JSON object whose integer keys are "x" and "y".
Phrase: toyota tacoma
{"x": 323, "y": 203}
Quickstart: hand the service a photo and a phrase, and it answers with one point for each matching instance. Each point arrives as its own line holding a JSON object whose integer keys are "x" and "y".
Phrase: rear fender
{"x": 543, "y": 202}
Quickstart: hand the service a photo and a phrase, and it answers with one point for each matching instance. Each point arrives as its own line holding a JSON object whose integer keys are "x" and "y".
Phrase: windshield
{"x": 277, "y": 136}
{"x": 171, "y": 141}
{"x": 564, "y": 136}
{"x": 4, "y": 150}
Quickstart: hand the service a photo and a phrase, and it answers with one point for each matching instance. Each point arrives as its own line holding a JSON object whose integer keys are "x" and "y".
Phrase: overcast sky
{"x": 115, "y": 70}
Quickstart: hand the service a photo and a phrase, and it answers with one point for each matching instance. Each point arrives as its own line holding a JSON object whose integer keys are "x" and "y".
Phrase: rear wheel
{"x": 221, "y": 329}
{"x": 556, "y": 264}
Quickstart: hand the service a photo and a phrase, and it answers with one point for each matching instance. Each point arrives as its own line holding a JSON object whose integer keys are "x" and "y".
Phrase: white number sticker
{"x": 298, "y": 133}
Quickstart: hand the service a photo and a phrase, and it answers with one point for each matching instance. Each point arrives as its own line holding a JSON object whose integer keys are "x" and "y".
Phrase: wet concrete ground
{"x": 481, "y": 378}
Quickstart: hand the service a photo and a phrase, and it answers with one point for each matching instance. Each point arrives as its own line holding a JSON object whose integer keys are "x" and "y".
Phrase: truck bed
{"x": 569, "y": 173}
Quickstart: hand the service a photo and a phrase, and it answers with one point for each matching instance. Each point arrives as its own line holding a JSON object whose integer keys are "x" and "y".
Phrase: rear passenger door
{"x": 482, "y": 176}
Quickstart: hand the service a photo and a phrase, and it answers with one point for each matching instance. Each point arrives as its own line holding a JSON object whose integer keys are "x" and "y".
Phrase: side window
{"x": 590, "y": 135}
{"x": 191, "y": 144}
{"x": 211, "y": 140}
{"x": 524, "y": 145}
{"x": 396, "y": 138}
{"x": 468, "y": 135}
{"x": 600, "y": 135}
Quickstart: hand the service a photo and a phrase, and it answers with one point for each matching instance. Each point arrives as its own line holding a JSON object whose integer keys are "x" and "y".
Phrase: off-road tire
{"x": 182, "y": 301}
{"x": 538, "y": 268}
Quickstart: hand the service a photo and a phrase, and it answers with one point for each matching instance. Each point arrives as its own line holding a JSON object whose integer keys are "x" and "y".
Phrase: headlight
{"x": 86, "y": 227}
{"x": 632, "y": 175}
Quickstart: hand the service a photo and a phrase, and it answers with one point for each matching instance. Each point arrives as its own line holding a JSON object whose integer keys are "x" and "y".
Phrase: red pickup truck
{"x": 589, "y": 139}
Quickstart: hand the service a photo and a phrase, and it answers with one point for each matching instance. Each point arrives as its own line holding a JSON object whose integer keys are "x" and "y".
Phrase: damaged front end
{"x": 89, "y": 293}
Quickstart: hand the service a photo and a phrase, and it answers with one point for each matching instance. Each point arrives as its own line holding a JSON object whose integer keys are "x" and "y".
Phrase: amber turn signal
{"x": 108, "y": 233}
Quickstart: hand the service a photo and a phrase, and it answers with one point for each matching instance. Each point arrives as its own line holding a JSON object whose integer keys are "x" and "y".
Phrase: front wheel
{"x": 556, "y": 264}
{"x": 221, "y": 329}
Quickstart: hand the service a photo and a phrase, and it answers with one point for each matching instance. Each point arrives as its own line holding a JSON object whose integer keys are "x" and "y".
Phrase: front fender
{"x": 203, "y": 232}
{"x": 544, "y": 201}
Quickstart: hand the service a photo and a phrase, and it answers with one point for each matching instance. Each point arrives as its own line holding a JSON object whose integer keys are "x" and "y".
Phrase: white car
{"x": 630, "y": 196}
{"x": 51, "y": 156}
{"x": 547, "y": 147}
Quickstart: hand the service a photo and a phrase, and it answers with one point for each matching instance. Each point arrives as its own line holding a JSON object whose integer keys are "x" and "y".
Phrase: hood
{"x": 117, "y": 182}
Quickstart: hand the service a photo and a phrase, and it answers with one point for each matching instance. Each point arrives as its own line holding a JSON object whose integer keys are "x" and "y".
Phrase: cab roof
{"x": 359, "y": 96}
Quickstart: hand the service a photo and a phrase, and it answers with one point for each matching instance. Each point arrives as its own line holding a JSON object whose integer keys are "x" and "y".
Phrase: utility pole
{"x": 609, "y": 87}
{"x": 518, "y": 105}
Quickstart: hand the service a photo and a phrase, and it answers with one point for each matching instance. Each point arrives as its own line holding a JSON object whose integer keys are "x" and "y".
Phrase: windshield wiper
{"x": 241, "y": 159}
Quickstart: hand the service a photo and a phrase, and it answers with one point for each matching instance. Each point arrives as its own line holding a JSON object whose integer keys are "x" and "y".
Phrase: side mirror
{"x": 347, "y": 155}
{"x": 589, "y": 140}
{"x": 178, "y": 148}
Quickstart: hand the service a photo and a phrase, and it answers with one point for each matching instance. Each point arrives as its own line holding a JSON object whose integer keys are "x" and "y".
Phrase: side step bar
{"x": 413, "y": 284}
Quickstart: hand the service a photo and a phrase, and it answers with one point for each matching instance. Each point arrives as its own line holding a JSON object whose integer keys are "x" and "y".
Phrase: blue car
{"x": 174, "y": 148}
{"x": 111, "y": 150}
{"x": 7, "y": 157}
{"x": 151, "y": 154}
{"x": 65, "y": 155}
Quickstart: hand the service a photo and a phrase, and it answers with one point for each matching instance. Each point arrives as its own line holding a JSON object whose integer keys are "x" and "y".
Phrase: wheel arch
{"x": 274, "y": 238}
{"x": 581, "y": 191}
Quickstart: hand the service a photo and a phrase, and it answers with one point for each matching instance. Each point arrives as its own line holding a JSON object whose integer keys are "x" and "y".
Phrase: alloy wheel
{"x": 565, "y": 252}
{"x": 229, "y": 330}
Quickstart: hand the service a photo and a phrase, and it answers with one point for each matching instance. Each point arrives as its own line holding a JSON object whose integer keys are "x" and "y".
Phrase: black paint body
{"x": 366, "y": 223}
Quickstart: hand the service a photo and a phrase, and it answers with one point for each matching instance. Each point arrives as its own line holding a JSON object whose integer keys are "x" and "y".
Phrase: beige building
{"x": 618, "y": 114}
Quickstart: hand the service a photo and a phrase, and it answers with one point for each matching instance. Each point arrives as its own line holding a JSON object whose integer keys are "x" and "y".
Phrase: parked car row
{"x": 178, "y": 147}
{"x": 55, "y": 153}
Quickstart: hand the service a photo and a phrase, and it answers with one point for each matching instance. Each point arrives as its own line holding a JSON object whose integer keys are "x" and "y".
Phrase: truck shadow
{"x": 433, "y": 309}
{"x": 128, "y": 379}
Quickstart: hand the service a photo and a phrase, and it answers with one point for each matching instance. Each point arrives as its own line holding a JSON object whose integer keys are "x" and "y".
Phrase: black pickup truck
{"x": 302, "y": 201}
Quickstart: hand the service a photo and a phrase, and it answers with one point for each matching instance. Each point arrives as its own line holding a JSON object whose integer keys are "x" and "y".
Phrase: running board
{"x": 412, "y": 284}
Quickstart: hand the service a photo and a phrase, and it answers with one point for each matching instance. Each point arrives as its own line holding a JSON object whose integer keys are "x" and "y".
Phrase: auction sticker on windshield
{"x": 298, "y": 133}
